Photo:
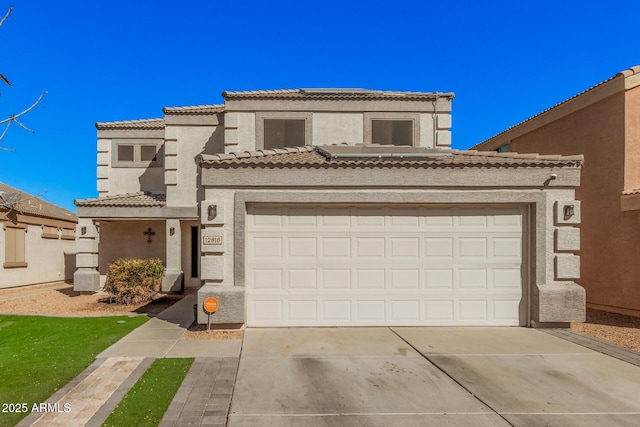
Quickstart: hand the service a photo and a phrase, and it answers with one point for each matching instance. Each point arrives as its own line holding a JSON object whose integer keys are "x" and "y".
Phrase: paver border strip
{"x": 595, "y": 344}
{"x": 55, "y": 397}
{"x": 108, "y": 407}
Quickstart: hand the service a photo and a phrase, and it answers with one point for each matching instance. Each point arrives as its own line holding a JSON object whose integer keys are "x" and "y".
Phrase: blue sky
{"x": 120, "y": 60}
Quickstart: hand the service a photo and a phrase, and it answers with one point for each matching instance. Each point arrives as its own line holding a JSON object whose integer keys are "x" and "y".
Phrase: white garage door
{"x": 367, "y": 266}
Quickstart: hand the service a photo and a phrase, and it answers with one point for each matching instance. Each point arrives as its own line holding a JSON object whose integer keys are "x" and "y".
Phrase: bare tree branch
{"x": 6, "y": 15}
{"x": 14, "y": 119}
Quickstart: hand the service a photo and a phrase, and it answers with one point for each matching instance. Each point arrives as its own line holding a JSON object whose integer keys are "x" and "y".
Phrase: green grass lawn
{"x": 149, "y": 398}
{"x": 39, "y": 355}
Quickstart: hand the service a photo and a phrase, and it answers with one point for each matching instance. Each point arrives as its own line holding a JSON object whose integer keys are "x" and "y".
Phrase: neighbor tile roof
{"x": 624, "y": 74}
{"x": 128, "y": 200}
{"x": 310, "y": 156}
{"x": 34, "y": 205}
{"x": 132, "y": 124}
{"x": 195, "y": 109}
{"x": 631, "y": 192}
{"x": 333, "y": 93}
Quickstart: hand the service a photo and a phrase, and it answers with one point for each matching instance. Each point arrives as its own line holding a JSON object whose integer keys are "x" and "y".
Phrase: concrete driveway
{"x": 428, "y": 376}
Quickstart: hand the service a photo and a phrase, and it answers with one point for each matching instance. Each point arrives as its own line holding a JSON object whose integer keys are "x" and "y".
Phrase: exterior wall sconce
{"x": 212, "y": 212}
{"x": 172, "y": 231}
{"x": 568, "y": 211}
{"x": 149, "y": 233}
{"x": 83, "y": 230}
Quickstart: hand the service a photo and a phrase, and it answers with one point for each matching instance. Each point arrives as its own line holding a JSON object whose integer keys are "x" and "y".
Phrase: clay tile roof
{"x": 624, "y": 74}
{"x": 195, "y": 109}
{"x": 129, "y": 200}
{"x": 312, "y": 157}
{"x": 132, "y": 124}
{"x": 334, "y": 93}
{"x": 32, "y": 205}
{"x": 631, "y": 192}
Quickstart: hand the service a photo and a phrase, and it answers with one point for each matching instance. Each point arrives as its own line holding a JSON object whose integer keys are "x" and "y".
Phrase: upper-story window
{"x": 137, "y": 154}
{"x": 392, "y": 128}
{"x": 392, "y": 132}
{"x": 504, "y": 148}
{"x": 280, "y": 133}
{"x": 125, "y": 153}
{"x": 279, "y": 129}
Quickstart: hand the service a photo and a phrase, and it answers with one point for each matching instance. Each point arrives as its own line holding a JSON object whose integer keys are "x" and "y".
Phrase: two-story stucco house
{"x": 603, "y": 124}
{"x": 336, "y": 207}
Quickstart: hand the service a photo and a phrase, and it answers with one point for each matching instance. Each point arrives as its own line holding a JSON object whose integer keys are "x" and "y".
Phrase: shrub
{"x": 132, "y": 281}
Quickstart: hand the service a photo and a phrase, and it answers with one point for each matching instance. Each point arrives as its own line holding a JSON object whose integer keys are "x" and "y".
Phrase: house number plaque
{"x": 211, "y": 240}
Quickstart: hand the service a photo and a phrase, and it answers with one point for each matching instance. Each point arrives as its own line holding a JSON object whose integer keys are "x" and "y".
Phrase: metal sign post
{"x": 210, "y": 306}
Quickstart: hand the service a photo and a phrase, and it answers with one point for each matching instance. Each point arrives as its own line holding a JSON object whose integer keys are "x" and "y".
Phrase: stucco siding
{"x": 191, "y": 141}
{"x": 132, "y": 180}
{"x": 338, "y": 128}
{"x": 632, "y": 139}
{"x": 46, "y": 260}
{"x": 609, "y": 237}
{"x": 126, "y": 239}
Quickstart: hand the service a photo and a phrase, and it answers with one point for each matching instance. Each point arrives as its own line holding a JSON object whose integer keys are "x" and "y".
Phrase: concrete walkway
{"x": 90, "y": 398}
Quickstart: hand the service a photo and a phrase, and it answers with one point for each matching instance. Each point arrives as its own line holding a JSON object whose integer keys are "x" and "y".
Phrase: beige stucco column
{"x": 173, "y": 275}
{"x": 86, "y": 278}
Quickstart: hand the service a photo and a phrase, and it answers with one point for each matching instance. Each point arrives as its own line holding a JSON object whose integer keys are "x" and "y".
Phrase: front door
{"x": 191, "y": 255}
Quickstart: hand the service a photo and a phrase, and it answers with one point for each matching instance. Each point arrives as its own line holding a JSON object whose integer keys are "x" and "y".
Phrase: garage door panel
{"x": 404, "y": 278}
{"x": 506, "y": 247}
{"x": 336, "y": 311}
{"x": 472, "y": 278}
{"x": 371, "y": 310}
{"x": 266, "y": 247}
{"x": 390, "y": 266}
{"x": 405, "y": 310}
{"x": 404, "y": 247}
{"x": 439, "y": 311}
{"x": 335, "y": 247}
{"x": 335, "y": 278}
{"x": 302, "y": 247}
{"x": 506, "y": 278}
{"x": 370, "y": 278}
{"x": 302, "y": 310}
{"x": 370, "y": 247}
{"x": 439, "y": 278}
{"x": 301, "y": 278}
{"x": 472, "y": 247}
{"x": 438, "y": 247}
{"x": 267, "y": 278}
{"x": 473, "y": 310}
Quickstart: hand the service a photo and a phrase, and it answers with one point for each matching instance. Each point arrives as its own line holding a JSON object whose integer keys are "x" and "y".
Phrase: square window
{"x": 392, "y": 132}
{"x": 125, "y": 153}
{"x": 148, "y": 153}
{"x": 279, "y": 133}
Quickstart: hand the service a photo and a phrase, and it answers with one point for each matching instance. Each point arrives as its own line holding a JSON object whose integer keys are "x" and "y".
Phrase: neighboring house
{"x": 335, "y": 207}
{"x": 37, "y": 243}
{"x": 603, "y": 124}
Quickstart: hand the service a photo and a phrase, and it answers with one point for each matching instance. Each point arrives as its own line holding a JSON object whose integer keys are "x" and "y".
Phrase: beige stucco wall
{"x": 120, "y": 180}
{"x": 126, "y": 239}
{"x": 609, "y": 251}
{"x": 338, "y": 128}
{"x": 188, "y": 141}
{"x": 46, "y": 260}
